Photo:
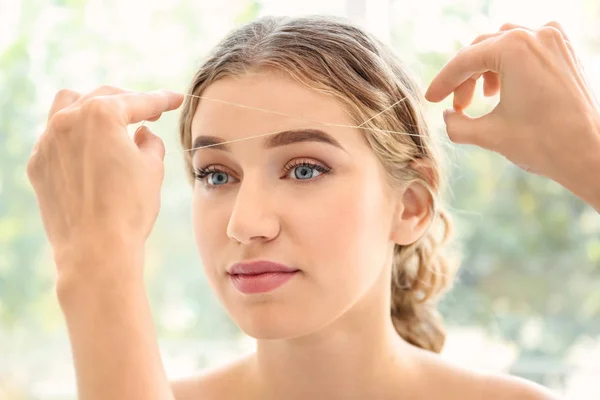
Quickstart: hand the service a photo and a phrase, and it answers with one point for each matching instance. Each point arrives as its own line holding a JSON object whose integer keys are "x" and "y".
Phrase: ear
{"x": 413, "y": 209}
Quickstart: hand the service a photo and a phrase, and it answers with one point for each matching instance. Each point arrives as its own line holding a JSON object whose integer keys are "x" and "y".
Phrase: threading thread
{"x": 319, "y": 123}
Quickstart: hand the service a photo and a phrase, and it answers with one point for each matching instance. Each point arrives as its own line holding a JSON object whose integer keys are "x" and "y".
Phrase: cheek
{"x": 210, "y": 228}
{"x": 347, "y": 231}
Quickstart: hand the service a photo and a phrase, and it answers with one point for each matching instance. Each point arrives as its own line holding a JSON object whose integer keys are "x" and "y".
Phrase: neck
{"x": 359, "y": 355}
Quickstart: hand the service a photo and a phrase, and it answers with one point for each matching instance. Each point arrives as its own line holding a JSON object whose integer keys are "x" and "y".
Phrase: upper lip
{"x": 258, "y": 267}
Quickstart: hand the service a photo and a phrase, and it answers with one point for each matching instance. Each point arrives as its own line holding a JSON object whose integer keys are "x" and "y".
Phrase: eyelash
{"x": 203, "y": 173}
{"x": 321, "y": 168}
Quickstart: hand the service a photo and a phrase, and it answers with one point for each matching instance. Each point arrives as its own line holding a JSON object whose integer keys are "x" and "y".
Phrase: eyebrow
{"x": 283, "y": 138}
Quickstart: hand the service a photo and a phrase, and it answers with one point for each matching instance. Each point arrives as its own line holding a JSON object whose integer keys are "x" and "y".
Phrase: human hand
{"x": 547, "y": 120}
{"x": 98, "y": 190}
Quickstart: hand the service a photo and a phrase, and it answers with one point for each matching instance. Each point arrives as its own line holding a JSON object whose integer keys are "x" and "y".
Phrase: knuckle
{"x": 554, "y": 24}
{"x": 61, "y": 120}
{"x": 107, "y": 89}
{"x": 506, "y": 26}
{"x": 518, "y": 41}
{"x": 518, "y": 35}
{"x": 97, "y": 107}
{"x": 64, "y": 94}
{"x": 550, "y": 32}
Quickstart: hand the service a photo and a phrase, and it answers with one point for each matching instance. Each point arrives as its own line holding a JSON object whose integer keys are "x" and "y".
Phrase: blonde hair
{"x": 334, "y": 57}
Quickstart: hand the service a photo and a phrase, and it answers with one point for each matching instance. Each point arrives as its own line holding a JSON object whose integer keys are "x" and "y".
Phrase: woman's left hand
{"x": 547, "y": 120}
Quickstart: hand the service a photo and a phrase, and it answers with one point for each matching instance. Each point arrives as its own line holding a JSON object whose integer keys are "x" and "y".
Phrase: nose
{"x": 253, "y": 218}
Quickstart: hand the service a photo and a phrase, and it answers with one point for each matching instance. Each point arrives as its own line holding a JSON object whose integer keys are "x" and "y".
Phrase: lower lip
{"x": 261, "y": 283}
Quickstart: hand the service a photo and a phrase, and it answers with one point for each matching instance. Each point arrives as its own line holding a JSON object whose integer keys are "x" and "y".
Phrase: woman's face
{"x": 313, "y": 200}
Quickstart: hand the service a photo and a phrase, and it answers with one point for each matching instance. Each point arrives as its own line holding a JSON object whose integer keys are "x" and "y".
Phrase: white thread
{"x": 381, "y": 112}
{"x": 321, "y": 124}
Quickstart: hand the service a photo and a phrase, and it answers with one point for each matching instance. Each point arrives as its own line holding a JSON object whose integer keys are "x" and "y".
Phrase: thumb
{"x": 149, "y": 143}
{"x": 463, "y": 129}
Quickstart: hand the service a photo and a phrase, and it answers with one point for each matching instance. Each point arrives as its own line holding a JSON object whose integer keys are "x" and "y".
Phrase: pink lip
{"x": 260, "y": 276}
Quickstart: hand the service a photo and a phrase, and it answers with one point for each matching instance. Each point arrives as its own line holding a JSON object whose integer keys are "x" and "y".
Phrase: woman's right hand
{"x": 98, "y": 191}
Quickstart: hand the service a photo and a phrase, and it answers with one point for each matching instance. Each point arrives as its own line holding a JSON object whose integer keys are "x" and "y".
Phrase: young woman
{"x": 322, "y": 239}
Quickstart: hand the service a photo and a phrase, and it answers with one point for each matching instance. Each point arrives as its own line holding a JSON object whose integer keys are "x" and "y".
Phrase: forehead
{"x": 268, "y": 91}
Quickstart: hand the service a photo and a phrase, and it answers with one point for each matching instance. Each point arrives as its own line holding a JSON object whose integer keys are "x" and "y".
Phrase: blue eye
{"x": 303, "y": 172}
{"x": 306, "y": 170}
{"x": 218, "y": 178}
{"x": 211, "y": 176}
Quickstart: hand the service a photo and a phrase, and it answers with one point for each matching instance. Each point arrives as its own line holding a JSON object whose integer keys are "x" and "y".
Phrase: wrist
{"x": 581, "y": 170}
{"x": 94, "y": 270}
{"x": 590, "y": 186}
{"x": 596, "y": 172}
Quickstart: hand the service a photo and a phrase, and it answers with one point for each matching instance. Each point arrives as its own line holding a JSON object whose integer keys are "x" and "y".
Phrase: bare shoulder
{"x": 498, "y": 387}
{"x": 456, "y": 382}
{"x": 220, "y": 383}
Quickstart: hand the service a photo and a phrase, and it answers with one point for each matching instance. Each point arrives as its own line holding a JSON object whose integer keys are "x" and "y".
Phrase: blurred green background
{"x": 527, "y": 298}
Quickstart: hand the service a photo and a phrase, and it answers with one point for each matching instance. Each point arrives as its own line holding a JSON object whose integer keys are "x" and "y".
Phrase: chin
{"x": 269, "y": 333}
{"x": 274, "y": 322}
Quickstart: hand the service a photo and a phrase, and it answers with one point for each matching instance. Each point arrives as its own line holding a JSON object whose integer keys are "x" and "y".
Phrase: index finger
{"x": 139, "y": 107}
{"x": 475, "y": 59}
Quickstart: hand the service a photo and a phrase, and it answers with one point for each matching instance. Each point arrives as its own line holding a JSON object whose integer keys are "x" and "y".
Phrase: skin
{"x": 338, "y": 227}
{"x": 547, "y": 118}
{"x": 547, "y": 121}
{"x": 97, "y": 234}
